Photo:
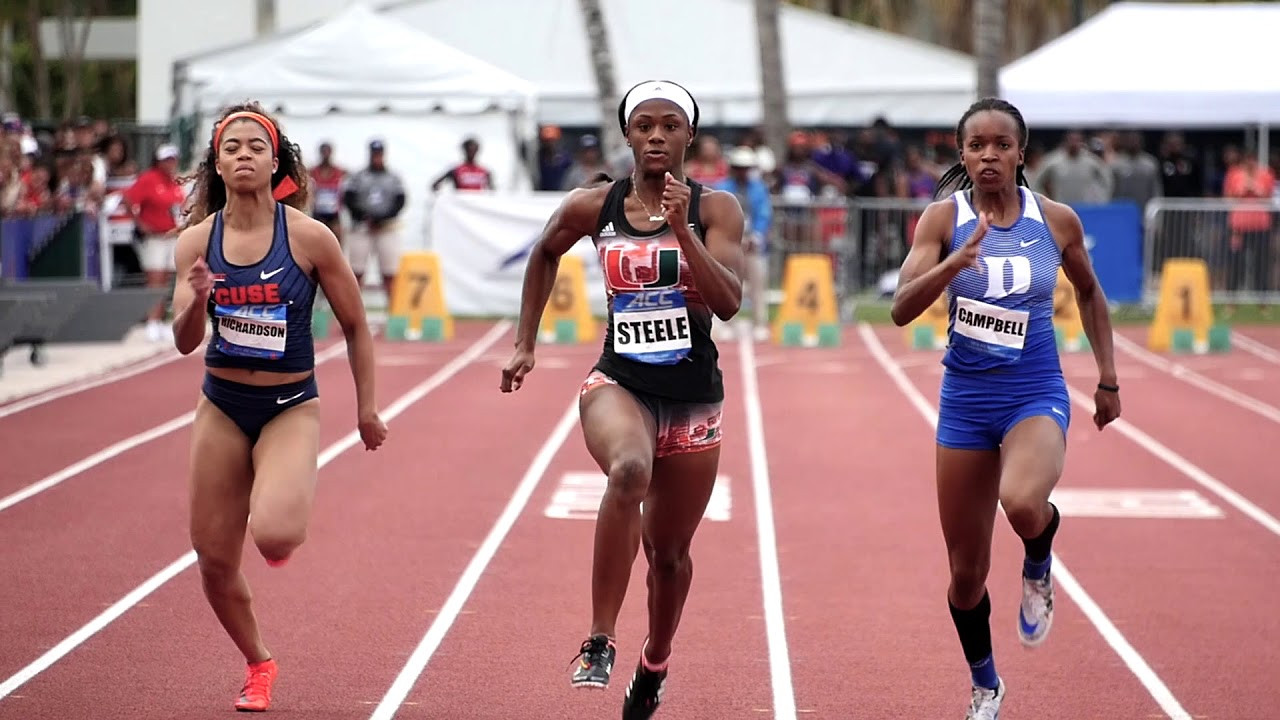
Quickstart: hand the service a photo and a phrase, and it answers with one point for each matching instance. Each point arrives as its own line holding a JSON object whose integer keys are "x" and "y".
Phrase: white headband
{"x": 659, "y": 90}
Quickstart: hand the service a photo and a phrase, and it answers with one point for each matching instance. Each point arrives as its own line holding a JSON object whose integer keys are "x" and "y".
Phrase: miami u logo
{"x": 631, "y": 268}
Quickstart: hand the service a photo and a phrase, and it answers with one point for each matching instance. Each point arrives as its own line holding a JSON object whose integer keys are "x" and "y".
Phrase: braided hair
{"x": 957, "y": 175}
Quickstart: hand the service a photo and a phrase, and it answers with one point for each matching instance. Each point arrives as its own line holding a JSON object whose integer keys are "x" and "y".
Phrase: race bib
{"x": 326, "y": 201}
{"x": 252, "y": 330}
{"x": 990, "y": 329}
{"x": 652, "y": 327}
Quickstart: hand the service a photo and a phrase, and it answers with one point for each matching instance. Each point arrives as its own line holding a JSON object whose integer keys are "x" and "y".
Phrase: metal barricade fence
{"x": 866, "y": 239}
{"x": 1239, "y": 240}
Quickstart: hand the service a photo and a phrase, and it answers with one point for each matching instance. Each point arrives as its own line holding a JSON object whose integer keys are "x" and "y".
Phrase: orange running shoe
{"x": 255, "y": 696}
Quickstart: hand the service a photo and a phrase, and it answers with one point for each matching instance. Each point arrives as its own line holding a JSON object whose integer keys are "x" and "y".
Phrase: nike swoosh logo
{"x": 1023, "y": 243}
{"x": 267, "y": 275}
{"x": 282, "y": 401}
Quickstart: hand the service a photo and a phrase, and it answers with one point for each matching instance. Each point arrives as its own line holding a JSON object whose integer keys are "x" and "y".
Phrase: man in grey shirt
{"x": 1137, "y": 173}
{"x": 374, "y": 197}
{"x": 1073, "y": 175}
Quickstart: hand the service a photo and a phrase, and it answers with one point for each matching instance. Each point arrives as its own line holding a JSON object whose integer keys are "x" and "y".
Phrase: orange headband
{"x": 287, "y": 186}
{"x": 248, "y": 115}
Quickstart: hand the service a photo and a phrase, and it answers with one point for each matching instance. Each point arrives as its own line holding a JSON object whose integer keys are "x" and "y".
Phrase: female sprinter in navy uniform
{"x": 996, "y": 246}
{"x": 672, "y": 256}
{"x": 251, "y": 263}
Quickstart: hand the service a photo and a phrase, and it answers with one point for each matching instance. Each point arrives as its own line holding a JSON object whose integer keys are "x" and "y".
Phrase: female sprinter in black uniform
{"x": 672, "y": 256}
{"x": 995, "y": 247}
{"x": 251, "y": 262}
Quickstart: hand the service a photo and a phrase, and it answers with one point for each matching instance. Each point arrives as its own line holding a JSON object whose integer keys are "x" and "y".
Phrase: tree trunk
{"x": 772, "y": 85}
{"x": 73, "y": 48}
{"x": 611, "y": 140}
{"x": 265, "y": 17}
{"x": 44, "y": 106}
{"x": 988, "y": 44}
{"x": 6, "y": 66}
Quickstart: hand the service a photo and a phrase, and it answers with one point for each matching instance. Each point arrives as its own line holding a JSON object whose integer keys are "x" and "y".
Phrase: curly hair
{"x": 210, "y": 194}
{"x": 956, "y": 176}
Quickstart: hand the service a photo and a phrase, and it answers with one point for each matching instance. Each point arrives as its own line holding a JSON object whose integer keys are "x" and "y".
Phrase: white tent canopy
{"x": 357, "y": 61}
{"x": 1177, "y": 65}
{"x": 361, "y": 76}
{"x": 836, "y": 72}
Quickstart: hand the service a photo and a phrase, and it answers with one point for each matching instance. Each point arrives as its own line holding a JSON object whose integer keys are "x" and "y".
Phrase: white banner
{"x": 484, "y": 241}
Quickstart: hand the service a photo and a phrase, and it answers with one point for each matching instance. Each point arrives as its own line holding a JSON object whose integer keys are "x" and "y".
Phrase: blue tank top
{"x": 261, "y": 313}
{"x": 1002, "y": 319}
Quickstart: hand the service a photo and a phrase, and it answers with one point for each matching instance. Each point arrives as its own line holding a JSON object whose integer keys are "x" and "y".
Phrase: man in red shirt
{"x": 155, "y": 200}
{"x": 468, "y": 175}
{"x": 326, "y": 184}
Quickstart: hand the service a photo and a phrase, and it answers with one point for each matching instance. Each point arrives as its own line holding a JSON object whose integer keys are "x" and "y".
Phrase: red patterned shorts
{"x": 682, "y": 427}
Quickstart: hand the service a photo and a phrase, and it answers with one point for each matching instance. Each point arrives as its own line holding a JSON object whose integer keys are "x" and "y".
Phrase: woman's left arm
{"x": 716, "y": 261}
{"x": 343, "y": 293}
{"x": 1095, "y": 316}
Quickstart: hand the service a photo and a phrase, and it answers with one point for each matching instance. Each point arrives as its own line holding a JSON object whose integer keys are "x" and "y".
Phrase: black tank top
{"x": 658, "y": 337}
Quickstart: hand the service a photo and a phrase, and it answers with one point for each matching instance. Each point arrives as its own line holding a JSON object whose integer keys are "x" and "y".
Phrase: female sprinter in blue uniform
{"x": 251, "y": 262}
{"x": 995, "y": 247}
{"x": 671, "y": 250}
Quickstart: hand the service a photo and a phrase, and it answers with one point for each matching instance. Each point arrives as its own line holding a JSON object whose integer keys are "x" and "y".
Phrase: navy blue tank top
{"x": 261, "y": 313}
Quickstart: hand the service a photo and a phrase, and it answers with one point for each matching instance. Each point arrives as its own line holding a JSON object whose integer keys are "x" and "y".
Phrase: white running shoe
{"x": 1036, "y": 614}
{"x": 985, "y": 703}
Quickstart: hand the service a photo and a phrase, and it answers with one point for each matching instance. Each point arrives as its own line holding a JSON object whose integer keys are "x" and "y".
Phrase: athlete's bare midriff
{"x": 259, "y": 378}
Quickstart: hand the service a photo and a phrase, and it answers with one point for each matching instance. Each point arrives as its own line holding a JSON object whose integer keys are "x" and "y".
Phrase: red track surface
{"x": 863, "y": 571}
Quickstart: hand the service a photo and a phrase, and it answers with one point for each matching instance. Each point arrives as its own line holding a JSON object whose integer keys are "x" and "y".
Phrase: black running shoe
{"x": 596, "y": 663}
{"x": 644, "y": 694}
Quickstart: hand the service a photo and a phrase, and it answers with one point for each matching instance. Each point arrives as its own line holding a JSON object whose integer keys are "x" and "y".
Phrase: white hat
{"x": 166, "y": 152}
{"x": 742, "y": 156}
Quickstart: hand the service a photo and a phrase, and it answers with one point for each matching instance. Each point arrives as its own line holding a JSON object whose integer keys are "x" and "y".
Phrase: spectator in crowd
{"x": 155, "y": 200}
{"x": 553, "y": 161}
{"x": 35, "y": 195}
{"x": 1073, "y": 175}
{"x": 589, "y": 163}
{"x": 1249, "y": 251}
{"x": 706, "y": 164}
{"x": 1180, "y": 172}
{"x": 1136, "y": 172}
{"x": 374, "y": 198}
{"x": 753, "y": 196}
{"x": 326, "y": 191}
{"x": 918, "y": 179}
{"x": 831, "y": 154}
{"x": 766, "y": 163}
{"x": 468, "y": 176}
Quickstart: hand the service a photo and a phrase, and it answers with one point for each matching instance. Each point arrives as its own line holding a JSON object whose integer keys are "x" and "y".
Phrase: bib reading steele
{"x": 252, "y": 330}
{"x": 990, "y": 329}
{"x": 651, "y": 327}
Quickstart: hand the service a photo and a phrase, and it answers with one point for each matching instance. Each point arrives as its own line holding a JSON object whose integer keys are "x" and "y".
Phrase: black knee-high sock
{"x": 974, "y": 628}
{"x": 1035, "y": 564}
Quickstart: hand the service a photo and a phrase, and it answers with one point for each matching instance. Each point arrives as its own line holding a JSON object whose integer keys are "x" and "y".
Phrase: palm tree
{"x": 772, "y": 85}
{"x": 988, "y": 43}
{"x": 611, "y": 140}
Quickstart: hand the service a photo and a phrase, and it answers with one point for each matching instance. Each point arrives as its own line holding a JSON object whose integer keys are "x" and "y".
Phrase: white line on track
{"x": 408, "y": 676}
{"x": 1191, "y": 377}
{"x": 1182, "y": 465}
{"x": 40, "y": 398}
{"x": 784, "y": 699}
{"x": 348, "y": 441}
{"x": 125, "y": 445}
{"x": 1112, "y": 635}
{"x": 1249, "y": 345}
